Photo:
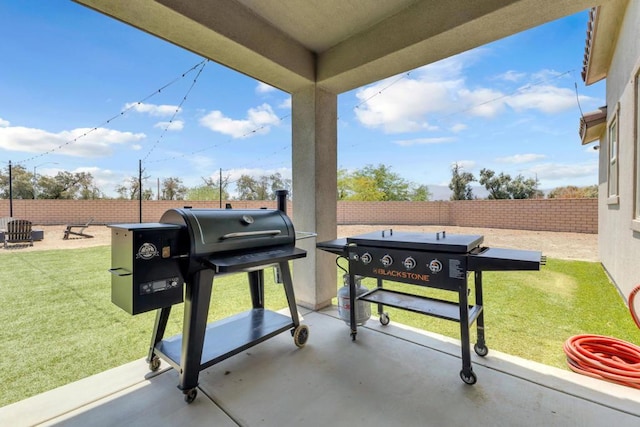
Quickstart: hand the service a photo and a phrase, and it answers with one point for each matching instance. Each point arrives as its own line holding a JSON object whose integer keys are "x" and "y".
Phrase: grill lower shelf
{"x": 419, "y": 304}
{"x": 229, "y": 336}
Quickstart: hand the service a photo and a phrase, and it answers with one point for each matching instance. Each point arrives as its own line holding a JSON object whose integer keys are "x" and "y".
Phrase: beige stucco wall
{"x": 619, "y": 243}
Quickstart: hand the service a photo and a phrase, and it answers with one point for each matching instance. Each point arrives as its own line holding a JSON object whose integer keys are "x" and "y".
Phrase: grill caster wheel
{"x": 384, "y": 319}
{"x": 190, "y": 395}
{"x": 301, "y": 335}
{"x": 468, "y": 377}
{"x": 481, "y": 351}
{"x": 154, "y": 364}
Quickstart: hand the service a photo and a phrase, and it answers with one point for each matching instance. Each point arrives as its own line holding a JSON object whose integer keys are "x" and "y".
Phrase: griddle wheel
{"x": 301, "y": 335}
{"x": 481, "y": 351}
{"x": 384, "y": 319}
{"x": 469, "y": 377}
{"x": 154, "y": 364}
{"x": 190, "y": 395}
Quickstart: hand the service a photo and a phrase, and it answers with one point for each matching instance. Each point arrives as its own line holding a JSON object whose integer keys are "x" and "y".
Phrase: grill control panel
{"x": 160, "y": 285}
{"x": 433, "y": 269}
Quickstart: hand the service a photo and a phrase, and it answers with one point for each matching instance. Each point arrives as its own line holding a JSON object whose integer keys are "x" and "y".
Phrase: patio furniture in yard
{"x": 18, "y": 231}
{"x": 70, "y": 230}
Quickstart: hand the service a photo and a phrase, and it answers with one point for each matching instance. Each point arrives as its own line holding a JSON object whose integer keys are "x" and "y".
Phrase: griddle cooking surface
{"x": 437, "y": 242}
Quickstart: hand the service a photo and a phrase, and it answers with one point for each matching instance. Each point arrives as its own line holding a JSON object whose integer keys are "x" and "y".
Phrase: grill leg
{"x": 196, "y": 309}
{"x": 467, "y": 371}
{"x": 288, "y": 290}
{"x": 256, "y": 286}
{"x": 162, "y": 317}
{"x": 481, "y": 346}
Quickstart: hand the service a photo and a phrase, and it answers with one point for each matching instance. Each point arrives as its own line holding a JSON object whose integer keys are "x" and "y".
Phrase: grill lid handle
{"x": 260, "y": 233}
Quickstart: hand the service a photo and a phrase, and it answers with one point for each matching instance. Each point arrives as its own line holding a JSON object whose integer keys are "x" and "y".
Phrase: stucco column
{"x": 314, "y": 126}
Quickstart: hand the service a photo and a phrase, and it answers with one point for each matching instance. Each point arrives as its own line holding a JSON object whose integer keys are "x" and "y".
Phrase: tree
{"x": 573, "y": 192}
{"x": 130, "y": 189}
{"x": 496, "y": 185}
{"x": 172, "y": 189}
{"x": 68, "y": 185}
{"x": 503, "y": 187}
{"x": 261, "y": 188}
{"x": 461, "y": 183}
{"x": 210, "y": 190}
{"x": 377, "y": 184}
{"x": 521, "y": 188}
{"x": 21, "y": 183}
{"x": 420, "y": 193}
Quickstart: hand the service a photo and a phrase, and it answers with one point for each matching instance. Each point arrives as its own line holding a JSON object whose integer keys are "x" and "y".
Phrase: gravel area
{"x": 573, "y": 246}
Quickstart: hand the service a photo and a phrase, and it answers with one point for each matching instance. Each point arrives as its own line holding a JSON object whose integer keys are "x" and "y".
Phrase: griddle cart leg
{"x": 196, "y": 310}
{"x": 466, "y": 374}
{"x": 256, "y": 286}
{"x": 480, "y": 347}
{"x": 352, "y": 306}
{"x": 162, "y": 317}
{"x": 382, "y": 316}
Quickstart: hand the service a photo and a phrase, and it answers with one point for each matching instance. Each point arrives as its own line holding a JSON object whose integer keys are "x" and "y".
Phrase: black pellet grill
{"x": 158, "y": 265}
{"x": 435, "y": 260}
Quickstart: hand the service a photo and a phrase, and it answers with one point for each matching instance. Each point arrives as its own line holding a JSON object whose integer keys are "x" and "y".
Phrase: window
{"x": 612, "y": 137}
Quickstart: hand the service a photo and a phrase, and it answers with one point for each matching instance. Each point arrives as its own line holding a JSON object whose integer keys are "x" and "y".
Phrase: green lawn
{"x": 58, "y": 323}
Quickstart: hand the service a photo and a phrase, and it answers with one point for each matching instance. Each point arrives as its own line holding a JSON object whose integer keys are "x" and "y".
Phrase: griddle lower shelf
{"x": 229, "y": 336}
{"x": 419, "y": 304}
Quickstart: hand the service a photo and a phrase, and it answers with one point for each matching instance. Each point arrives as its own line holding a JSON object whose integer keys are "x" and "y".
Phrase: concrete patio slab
{"x": 391, "y": 375}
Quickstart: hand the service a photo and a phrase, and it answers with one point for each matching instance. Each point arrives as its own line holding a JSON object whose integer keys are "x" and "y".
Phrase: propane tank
{"x": 363, "y": 308}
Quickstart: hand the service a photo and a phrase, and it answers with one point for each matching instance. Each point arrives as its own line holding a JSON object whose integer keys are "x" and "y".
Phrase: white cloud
{"x": 4, "y": 123}
{"x": 173, "y": 125}
{"x": 85, "y": 142}
{"x": 458, "y": 127}
{"x": 563, "y": 171}
{"x": 423, "y": 141}
{"x": 521, "y": 158}
{"x": 545, "y": 75}
{"x": 152, "y": 109}
{"x": 259, "y": 121}
{"x": 136, "y": 147}
{"x": 264, "y": 88}
{"x": 511, "y": 76}
{"x": 547, "y": 99}
{"x": 286, "y": 104}
{"x": 419, "y": 100}
{"x": 466, "y": 165}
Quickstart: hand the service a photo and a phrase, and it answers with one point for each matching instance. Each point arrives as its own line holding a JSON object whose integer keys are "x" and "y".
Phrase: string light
{"x": 108, "y": 121}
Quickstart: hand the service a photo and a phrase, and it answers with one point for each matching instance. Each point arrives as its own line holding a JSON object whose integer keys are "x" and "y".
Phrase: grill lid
{"x": 435, "y": 242}
{"x": 224, "y": 230}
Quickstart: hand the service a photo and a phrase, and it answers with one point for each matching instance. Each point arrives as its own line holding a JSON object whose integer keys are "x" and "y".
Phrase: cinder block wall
{"x": 573, "y": 215}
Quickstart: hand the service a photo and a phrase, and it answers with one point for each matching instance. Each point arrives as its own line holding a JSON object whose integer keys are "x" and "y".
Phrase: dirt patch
{"x": 573, "y": 246}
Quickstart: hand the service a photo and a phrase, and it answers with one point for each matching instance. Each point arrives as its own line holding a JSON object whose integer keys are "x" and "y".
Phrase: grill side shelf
{"x": 418, "y": 304}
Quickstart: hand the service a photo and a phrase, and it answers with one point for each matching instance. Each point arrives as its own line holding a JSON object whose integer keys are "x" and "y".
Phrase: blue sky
{"x": 66, "y": 70}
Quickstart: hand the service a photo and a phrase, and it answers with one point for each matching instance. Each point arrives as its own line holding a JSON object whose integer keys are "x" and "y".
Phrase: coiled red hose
{"x": 606, "y": 358}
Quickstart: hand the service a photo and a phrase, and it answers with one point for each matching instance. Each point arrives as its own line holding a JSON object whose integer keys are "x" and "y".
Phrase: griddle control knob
{"x": 386, "y": 260}
{"x": 366, "y": 258}
{"x": 409, "y": 263}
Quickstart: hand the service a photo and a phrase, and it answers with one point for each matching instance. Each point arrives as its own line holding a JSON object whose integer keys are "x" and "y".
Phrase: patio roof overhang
{"x": 338, "y": 44}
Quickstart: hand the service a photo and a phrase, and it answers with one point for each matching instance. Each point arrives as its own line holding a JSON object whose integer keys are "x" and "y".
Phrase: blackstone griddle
{"x": 158, "y": 265}
{"x": 435, "y": 260}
